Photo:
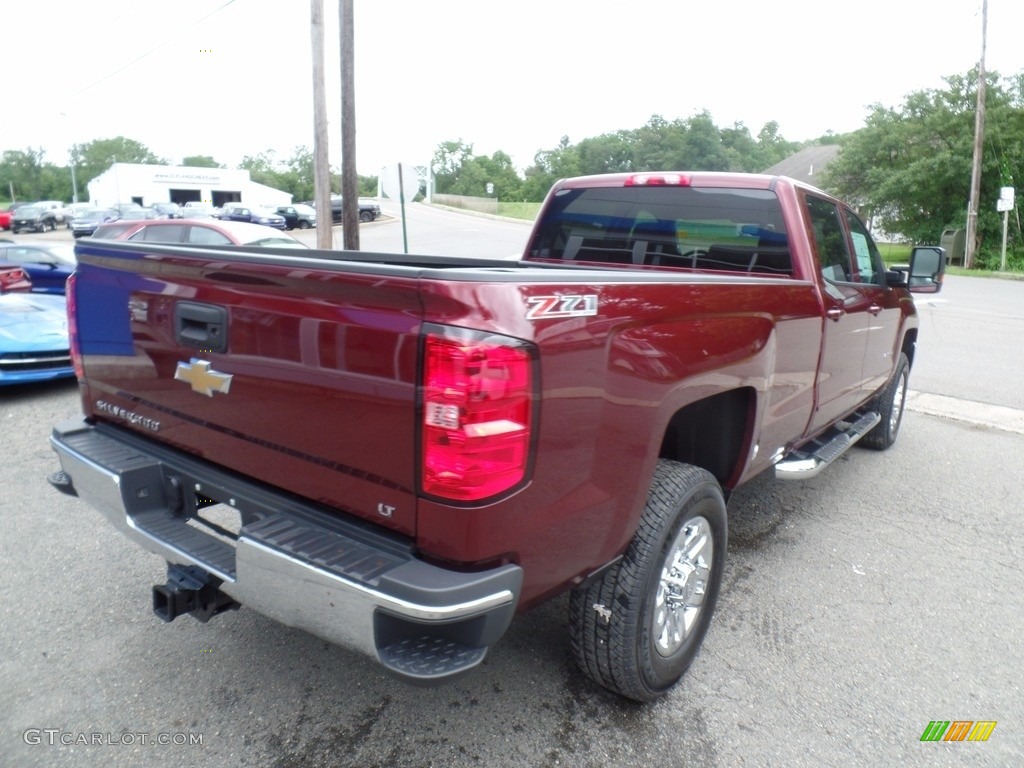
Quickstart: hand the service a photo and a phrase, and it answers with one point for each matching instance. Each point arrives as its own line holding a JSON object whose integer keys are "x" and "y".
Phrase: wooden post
{"x": 349, "y": 177}
{"x": 321, "y": 156}
{"x": 979, "y": 136}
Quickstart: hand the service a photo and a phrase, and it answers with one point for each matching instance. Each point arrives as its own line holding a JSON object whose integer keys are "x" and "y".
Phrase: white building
{"x": 148, "y": 184}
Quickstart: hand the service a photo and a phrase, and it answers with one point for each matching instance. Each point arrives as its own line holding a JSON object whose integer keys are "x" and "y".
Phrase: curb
{"x": 998, "y": 417}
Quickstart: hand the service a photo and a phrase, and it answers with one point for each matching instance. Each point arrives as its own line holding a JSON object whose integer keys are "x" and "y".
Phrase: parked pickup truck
{"x": 399, "y": 453}
{"x": 369, "y": 210}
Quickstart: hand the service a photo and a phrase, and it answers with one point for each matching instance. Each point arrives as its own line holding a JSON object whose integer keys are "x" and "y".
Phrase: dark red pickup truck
{"x": 398, "y": 453}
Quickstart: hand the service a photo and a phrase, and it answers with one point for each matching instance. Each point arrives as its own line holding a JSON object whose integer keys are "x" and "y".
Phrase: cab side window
{"x": 870, "y": 268}
{"x": 829, "y": 240}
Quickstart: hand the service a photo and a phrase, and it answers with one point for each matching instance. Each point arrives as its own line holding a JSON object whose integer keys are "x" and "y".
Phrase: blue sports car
{"x": 48, "y": 264}
{"x": 33, "y": 338}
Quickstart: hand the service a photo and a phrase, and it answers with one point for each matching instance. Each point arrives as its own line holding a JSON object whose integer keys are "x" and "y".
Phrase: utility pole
{"x": 349, "y": 177}
{"x": 321, "y": 157}
{"x": 979, "y": 140}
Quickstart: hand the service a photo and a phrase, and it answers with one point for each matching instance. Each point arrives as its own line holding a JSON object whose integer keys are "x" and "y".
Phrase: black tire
{"x": 304, "y": 224}
{"x": 365, "y": 216}
{"x": 620, "y": 623}
{"x": 889, "y": 403}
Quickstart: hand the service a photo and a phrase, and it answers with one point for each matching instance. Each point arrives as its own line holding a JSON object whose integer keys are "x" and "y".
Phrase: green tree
{"x": 658, "y": 145}
{"x": 909, "y": 168}
{"x": 447, "y": 162}
{"x": 368, "y": 186}
{"x": 200, "y": 161}
{"x": 607, "y": 153}
{"x": 741, "y": 149}
{"x": 264, "y": 169}
{"x": 94, "y": 157}
{"x": 702, "y": 147}
{"x": 772, "y": 148}
{"x": 477, "y": 172}
{"x": 299, "y": 174}
{"x": 25, "y": 175}
{"x": 695, "y": 144}
{"x": 21, "y": 173}
{"x": 549, "y": 166}
{"x": 457, "y": 171}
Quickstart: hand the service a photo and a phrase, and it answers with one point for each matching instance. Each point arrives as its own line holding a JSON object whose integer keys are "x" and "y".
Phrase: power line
{"x": 151, "y": 51}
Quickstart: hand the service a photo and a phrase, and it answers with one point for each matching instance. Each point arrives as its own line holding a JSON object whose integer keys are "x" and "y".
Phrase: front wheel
{"x": 638, "y": 626}
{"x": 304, "y": 224}
{"x": 365, "y": 216}
{"x": 889, "y": 403}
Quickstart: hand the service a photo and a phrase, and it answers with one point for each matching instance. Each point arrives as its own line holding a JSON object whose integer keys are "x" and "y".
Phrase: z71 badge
{"x": 544, "y": 307}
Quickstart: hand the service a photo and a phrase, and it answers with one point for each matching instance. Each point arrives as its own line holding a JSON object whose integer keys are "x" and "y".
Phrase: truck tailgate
{"x": 288, "y": 368}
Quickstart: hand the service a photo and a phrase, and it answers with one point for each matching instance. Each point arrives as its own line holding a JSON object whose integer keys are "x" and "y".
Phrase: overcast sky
{"x": 233, "y": 78}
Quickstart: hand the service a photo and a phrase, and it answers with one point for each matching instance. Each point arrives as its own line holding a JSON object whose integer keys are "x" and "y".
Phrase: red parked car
{"x": 197, "y": 232}
{"x": 7, "y": 214}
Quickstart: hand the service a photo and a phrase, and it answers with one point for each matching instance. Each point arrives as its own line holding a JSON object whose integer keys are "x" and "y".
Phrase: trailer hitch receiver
{"x": 190, "y": 590}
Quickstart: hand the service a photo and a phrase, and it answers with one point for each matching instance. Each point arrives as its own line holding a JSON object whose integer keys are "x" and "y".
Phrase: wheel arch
{"x": 712, "y": 433}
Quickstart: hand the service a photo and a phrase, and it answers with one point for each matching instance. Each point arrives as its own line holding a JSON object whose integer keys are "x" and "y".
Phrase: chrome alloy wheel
{"x": 897, "y": 405}
{"x": 682, "y": 586}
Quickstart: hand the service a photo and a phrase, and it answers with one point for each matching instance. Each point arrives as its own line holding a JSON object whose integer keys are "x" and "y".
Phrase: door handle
{"x": 874, "y": 309}
{"x": 202, "y": 326}
{"x": 834, "y": 314}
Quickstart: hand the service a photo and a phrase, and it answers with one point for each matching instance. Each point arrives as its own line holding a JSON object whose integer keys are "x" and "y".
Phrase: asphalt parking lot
{"x": 858, "y": 607}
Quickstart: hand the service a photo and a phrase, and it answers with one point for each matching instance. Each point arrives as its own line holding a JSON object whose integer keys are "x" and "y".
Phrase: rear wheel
{"x": 889, "y": 403}
{"x": 637, "y": 627}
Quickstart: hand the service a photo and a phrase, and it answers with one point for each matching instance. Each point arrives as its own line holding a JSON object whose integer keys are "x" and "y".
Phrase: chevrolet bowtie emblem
{"x": 204, "y": 381}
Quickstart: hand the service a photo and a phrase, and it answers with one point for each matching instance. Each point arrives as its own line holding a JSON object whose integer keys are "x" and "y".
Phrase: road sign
{"x": 409, "y": 186}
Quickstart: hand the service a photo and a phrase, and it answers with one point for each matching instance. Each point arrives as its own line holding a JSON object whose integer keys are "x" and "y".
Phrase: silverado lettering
{"x": 415, "y": 448}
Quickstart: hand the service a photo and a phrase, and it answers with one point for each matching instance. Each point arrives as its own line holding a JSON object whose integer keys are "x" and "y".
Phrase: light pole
{"x": 117, "y": 181}
{"x": 74, "y": 183}
{"x": 71, "y": 164}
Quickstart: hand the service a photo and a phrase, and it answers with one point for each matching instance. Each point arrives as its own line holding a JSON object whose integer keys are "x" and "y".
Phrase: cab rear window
{"x": 741, "y": 230}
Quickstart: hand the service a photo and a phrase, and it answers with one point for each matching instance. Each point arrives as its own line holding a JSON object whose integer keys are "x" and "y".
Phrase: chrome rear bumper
{"x": 291, "y": 561}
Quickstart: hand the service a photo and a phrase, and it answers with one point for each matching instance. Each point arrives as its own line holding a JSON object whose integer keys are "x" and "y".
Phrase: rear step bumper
{"x": 811, "y": 458}
{"x": 345, "y": 582}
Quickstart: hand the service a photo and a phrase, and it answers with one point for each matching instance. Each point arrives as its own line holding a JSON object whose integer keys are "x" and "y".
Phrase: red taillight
{"x": 14, "y": 279}
{"x": 76, "y": 350}
{"x": 658, "y": 180}
{"x": 477, "y": 414}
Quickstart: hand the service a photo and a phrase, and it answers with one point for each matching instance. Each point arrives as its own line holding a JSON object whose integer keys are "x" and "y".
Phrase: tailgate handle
{"x": 202, "y": 326}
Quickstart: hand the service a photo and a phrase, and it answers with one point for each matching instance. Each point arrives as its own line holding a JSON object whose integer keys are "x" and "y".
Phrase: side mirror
{"x": 927, "y": 268}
